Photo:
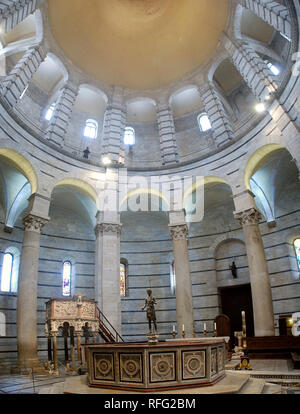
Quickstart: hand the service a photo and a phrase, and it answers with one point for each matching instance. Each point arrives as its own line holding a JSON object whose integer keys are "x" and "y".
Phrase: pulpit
{"x": 70, "y": 318}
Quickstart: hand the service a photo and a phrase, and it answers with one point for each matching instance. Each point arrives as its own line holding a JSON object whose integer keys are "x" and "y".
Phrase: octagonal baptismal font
{"x": 168, "y": 365}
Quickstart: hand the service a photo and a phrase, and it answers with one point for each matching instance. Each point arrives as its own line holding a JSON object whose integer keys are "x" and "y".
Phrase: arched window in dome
{"x": 50, "y": 111}
{"x": 297, "y": 251}
{"x": 273, "y": 68}
{"x": 66, "y": 285}
{"x": 129, "y": 136}
{"x": 204, "y": 122}
{"x": 172, "y": 278}
{"x": 123, "y": 277}
{"x": 10, "y": 270}
{"x": 91, "y": 129}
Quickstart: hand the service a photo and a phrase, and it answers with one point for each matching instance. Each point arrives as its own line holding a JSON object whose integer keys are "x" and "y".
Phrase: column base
{"x": 24, "y": 367}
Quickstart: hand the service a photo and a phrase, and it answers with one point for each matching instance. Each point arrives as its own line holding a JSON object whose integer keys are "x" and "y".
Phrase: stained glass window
{"x": 67, "y": 268}
{"x": 6, "y": 275}
{"x": 297, "y": 250}
{"x": 123, "y": 279}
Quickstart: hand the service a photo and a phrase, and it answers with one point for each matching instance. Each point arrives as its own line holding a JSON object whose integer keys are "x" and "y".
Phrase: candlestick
{"x": 244, "y": 329}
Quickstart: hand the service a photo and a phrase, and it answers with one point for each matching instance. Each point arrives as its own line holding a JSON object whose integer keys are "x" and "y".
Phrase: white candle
{"x": 215, "y": 325}
{"x": 204, "y": 326}
{"x": 173, "y": 328}
{"x": 182, "y": 328}
{"x": 243, "y": 319}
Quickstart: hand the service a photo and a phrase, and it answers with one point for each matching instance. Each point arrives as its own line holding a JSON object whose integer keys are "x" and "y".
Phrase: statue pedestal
{"x": 152, "y": 338}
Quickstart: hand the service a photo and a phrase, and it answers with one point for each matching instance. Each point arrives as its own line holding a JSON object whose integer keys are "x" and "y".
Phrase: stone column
{"x": 253, "y": 69}
{"x": 108, "y": 271}
{"x": 59, "y": 122}
{"x": 27, "y": 291}
{"x": 249, "y": 217}
{"x": 108, "y": 234}
{"x": 72, "y": 346}
{"x": 166, "y": 130}
{"x": 221, "y": 125}
{"x": 184, "y": 297}
{"x": 114, "y": 128}
{"x": 78, "y": 340}
{"x": 16, "y": 82}
{"x": 13, "y": 12}
{"x": 55, "y": 358}
{"x": 272, "y": 12}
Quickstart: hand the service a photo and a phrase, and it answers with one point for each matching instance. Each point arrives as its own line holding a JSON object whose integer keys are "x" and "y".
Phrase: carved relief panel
{"x": 104, "y": 366}
{"x": 65, "y": 309}
{"x": 162, "y": 367}
{"x": 214, "y": 361}
{"x": 193, "y": 365}
{"x": 88, "y": 310}
{"x": 131, "y": 367}
{"x": 221, "y": 359}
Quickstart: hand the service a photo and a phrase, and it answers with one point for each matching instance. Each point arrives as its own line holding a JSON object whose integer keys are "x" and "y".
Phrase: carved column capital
{"x": 108, "y": 228}
{"x": 179, "y": 232}
{"x": 34, "y": 223}
{"x": 249, "y": 217}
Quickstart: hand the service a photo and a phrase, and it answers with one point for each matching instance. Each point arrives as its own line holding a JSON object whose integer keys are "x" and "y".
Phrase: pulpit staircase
{"x": 106, "y": 330}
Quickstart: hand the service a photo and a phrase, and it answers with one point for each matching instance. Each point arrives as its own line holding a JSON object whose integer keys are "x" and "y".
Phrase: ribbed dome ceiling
{"x": 138, "y": 44}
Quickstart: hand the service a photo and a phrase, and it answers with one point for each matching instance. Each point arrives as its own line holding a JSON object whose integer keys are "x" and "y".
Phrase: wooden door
{"x": 234, "y": 300}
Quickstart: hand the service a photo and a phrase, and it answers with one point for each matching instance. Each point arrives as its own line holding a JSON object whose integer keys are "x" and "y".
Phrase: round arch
{"x": 19, "y": 162}
{"x": 224, "y": 238}
{"x": 202, "y": 182}
{"x": 81, "y": 186}
{"x": 145, "y": 191}
{"x": 256, "y": 158}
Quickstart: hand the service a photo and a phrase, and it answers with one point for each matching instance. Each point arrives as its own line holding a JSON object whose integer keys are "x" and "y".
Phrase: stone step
{"x": 253, "y": 386}
{"x": 270, "y": 388}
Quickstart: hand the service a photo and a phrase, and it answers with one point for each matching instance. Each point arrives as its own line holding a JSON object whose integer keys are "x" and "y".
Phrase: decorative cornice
{"x": 179, "y": 232}
{"x": 111, "y": 228}
{"x": 34, "y": 223}
{"x": 249, "y": 217}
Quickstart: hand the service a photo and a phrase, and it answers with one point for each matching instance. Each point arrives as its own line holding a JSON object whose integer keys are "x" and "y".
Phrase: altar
{"x": 167, "y": 365}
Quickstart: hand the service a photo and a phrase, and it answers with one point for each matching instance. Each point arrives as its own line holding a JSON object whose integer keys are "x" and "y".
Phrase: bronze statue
{"x": 150, "y": 301}
{"x": 233, "y": 269}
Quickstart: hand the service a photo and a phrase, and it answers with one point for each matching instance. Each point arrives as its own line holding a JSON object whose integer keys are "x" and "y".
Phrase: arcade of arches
{"x": 161, "y": 97}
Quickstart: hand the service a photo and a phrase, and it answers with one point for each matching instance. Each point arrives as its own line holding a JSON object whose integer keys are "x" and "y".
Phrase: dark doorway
{"x": 234, "y": 300}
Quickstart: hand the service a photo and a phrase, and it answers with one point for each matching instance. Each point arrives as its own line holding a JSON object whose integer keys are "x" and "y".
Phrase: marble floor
{"x": 278, "y": 376}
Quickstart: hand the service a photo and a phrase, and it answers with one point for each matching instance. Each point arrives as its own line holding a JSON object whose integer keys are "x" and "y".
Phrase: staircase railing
{"x": 106, "y": 330}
